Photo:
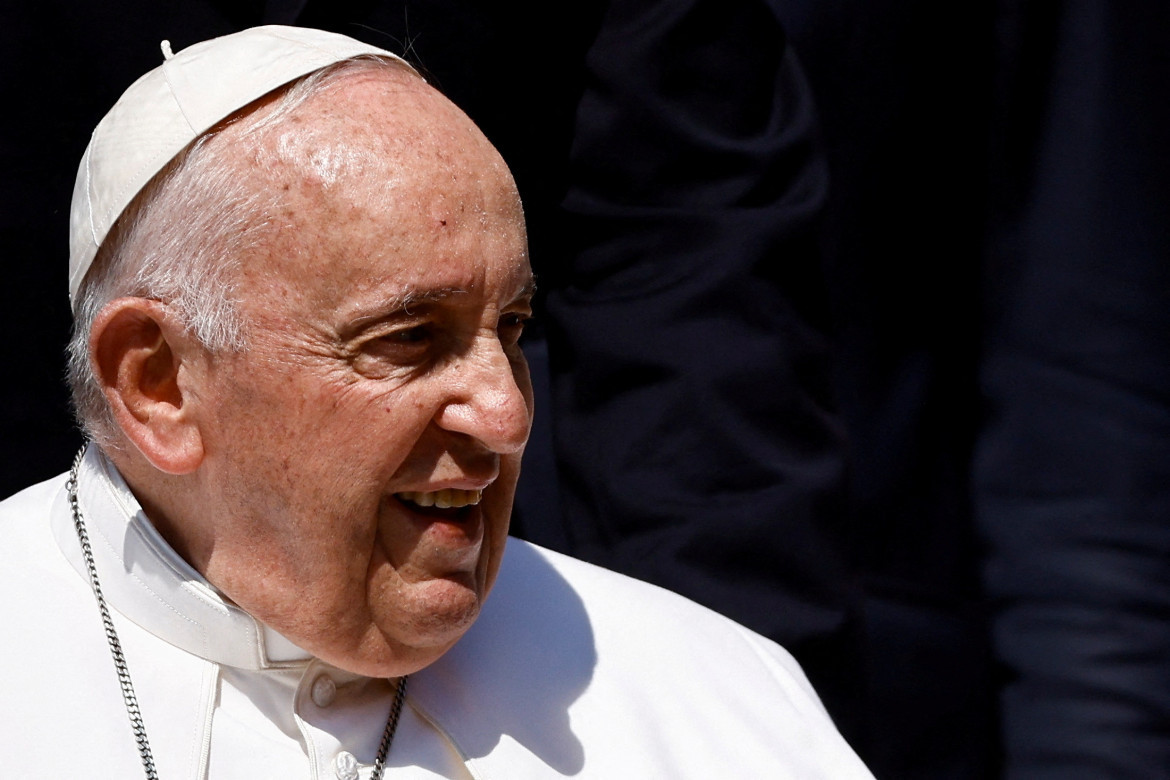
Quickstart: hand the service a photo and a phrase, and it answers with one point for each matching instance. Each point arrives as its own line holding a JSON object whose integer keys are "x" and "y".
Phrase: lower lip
{"x": 454, "y": 530}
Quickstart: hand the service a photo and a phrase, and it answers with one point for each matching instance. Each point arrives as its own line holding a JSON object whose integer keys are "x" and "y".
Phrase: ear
{"x": 143, "y": 357}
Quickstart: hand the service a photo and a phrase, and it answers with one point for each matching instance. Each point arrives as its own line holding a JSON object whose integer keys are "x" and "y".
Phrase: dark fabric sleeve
{"x": 1072, "y": 475}
{"x": 693, "y": 427}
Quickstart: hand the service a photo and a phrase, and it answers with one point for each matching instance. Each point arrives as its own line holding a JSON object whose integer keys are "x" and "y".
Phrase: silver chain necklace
{"x": 124, "y": 671}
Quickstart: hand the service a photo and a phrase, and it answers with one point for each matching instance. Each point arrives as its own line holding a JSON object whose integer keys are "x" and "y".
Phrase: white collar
{"x": 143, "y": 578}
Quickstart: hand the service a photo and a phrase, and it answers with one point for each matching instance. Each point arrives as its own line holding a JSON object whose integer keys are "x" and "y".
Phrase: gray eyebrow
{"x": 404, "y": 301}
{"x": 413, "y": 297}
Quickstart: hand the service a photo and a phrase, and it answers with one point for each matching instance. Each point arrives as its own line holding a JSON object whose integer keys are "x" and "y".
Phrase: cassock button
{"x": 345, "y": 766}
{"x": 324, "y": 691}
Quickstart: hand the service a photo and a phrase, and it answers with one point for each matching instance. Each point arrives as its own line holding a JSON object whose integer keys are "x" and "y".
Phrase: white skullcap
{"x": 172, "y": 105}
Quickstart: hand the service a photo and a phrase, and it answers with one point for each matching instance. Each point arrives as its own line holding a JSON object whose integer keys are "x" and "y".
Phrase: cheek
{"x": 365, "y": 421}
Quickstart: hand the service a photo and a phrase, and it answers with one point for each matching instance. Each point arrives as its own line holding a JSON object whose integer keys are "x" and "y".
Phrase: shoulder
{"x": 633, "y": 617}
{"x": 26, "y": 539}
{"x": 31, "y": 563}
{"x": 32, "y": 502}
{"x": 594, "y": 674}
{"x": 56, "y": 668}
{"x": 52, "y": 594}
{"x": 649, "y": 634}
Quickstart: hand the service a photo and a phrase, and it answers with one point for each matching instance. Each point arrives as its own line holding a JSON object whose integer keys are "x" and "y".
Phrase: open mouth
{"x": 447, "y": 502}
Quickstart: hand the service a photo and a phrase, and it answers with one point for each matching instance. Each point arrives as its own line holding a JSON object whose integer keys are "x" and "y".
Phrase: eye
{"x": 413, "y": 335}
{"x": 405, "y": 345}
{"x": 511, "y": 326}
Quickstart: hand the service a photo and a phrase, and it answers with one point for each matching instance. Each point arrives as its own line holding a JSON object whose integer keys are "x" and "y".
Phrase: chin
{"x": 425, "y": 621}
{"x": 444, "y": 611}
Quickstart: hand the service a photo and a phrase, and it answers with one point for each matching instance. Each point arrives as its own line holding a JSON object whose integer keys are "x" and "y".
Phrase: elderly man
{"x": 299, "y": 277}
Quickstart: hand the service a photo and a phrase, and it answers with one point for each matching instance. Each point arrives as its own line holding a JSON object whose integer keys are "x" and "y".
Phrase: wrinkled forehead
{"x": 375, "y": 184}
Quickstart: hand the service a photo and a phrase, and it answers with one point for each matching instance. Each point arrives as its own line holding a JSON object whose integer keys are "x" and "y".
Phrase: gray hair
{"x": 179, "y": 242}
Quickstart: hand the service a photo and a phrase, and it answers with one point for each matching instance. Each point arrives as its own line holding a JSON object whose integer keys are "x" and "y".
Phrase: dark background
{"x": 892, "y": 391}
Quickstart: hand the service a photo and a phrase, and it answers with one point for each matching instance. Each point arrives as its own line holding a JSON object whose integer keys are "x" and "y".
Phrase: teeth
{"x": 447, "y": 498}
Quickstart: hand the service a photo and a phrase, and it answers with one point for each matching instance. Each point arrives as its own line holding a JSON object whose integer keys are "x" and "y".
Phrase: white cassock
{"x": 570, "y": 671}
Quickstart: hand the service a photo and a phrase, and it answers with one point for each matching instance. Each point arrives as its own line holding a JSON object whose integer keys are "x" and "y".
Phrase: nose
{"x": 490, "y": 398}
